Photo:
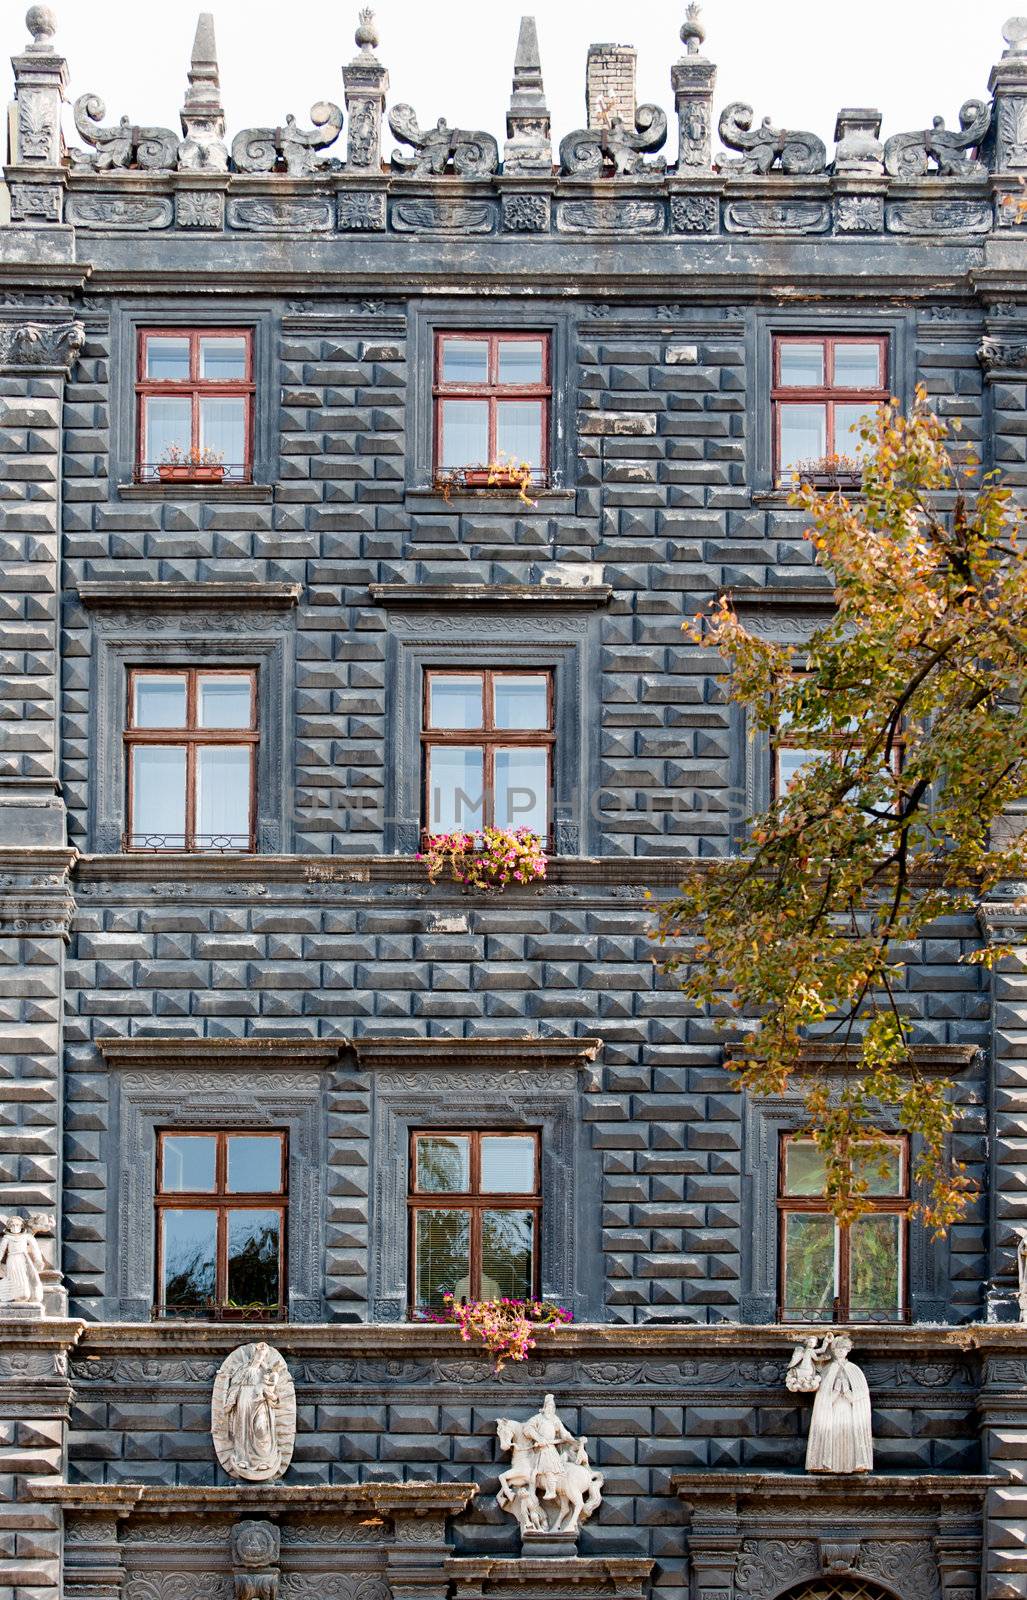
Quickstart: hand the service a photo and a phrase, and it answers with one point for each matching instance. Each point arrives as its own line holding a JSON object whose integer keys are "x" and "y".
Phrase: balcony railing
{"x": 202, "y": 843}
{"x": 215, "y": 1311}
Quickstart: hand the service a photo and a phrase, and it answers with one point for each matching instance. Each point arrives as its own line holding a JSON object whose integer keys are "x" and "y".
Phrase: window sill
{"x": 234, "y": 493}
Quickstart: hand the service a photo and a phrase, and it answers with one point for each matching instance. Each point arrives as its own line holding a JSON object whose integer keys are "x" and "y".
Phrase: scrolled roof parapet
{"x": 585, "y": 152}
{"x": 909, "y": 155}
{"x": 121, "y": 145}
{"x": 472, "y": 152}
{"x": 46, "y": 346}
{"x": 258, "y": 149}
{"x": 798, "y": 153}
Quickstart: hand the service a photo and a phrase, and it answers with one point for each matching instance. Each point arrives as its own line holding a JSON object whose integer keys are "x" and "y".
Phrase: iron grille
{"x": 841, "y": 1588}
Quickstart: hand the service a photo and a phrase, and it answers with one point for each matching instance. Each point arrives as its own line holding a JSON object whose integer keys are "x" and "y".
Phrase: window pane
{"x": 158, "y": 793}
{"x": 519, "y": 431}
{"x": 804, "y": 1168}
{"x": 223, "y": 795}
{"x": 801, "y": 365}
{"x": 456, "y": 778}
{"x": 875, "y": 1283}
{"x": 508, "y": 1165}
{"x": 159, "y": 702}
{"x": 506, "y": 1247}
{"x": 520, "y": 361}
{"x": 167, "y": 360}
{"x": 225, "y": 702}
{"x": 222, "y": 358}
{"x": 254, "y": 1163}
{"x": 809, "y": 1286}
{"x": 522, "y": 790}
{"x": 443, "y": 1256}
{"x": 888, "y": 1181}
{"x": 791, "y": 759}
{"x": 188, "y": 1255}
{"x": 803, "y": 434}
{"x": 465, "y": 434}
{"x": 847, "y": 422}
{"x": 454, "y": 702}
{"x": 465, "y": 361}
{"x": 167, "y": 421}
{"x": 223, "y": 427}
{"x": 188, "y": 1163}
{"x": 253, "y": 1239}
{"x": 521, "y": 702}
{"x": 443, "y": 1164}
{"x": 857, "y": 366}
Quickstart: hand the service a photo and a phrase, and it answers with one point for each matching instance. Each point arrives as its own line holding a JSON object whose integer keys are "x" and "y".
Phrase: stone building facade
{"x": 630, "y": 323}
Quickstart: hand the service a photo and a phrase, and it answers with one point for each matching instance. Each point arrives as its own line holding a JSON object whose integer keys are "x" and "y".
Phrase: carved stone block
{"x": 360, "y": 211}
{"x": 444, "y": 216}
{"x": 280, "y": 216}
{"x": 526, "y": 213}
{"x": 610, "y": 216}
{"x": 859, "y": 213}
{"x": 783, "y": 216}
{"x": 119, "y": 213}
{"x": 35, "y": 202}
{"x": 694, "y": 213}
{"x": 200, "y": 208}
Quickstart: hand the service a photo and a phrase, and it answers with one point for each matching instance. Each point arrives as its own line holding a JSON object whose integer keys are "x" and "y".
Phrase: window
{"x": 830, "y": 1273}
{"x": 475, "y": 1211}
{"x": 190, "y": 746}
{"x": 821, "y": 389}
{"x": 789, "y": 757}
{"x": 195, "y": 403}
{"x": 488, "y": 747}
{"x": 491, "y": 400}
{"x": 221, "y": 1205}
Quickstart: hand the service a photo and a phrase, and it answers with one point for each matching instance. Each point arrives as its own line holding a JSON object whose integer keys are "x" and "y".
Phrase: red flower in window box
{"x": 191, "y": 466}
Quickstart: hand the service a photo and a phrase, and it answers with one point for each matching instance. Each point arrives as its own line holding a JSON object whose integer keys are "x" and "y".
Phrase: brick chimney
{"x": 610, "y": 84}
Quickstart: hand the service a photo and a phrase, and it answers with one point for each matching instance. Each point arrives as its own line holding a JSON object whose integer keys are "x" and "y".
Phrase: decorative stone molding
{"x": 470, "y": 152}
{"x": 796, "y": 152}
{"x": 121, "y": 145}
{"x": 416, "y": 1054}
{"x": 474, "y": 594}
{"x": 41, "y": 346}
{"x": 1002, "y": 355}
{"x": 260, "y": 149}
{"x": 114, "y": 594}
{"x": 589, "y": 152}
{"x": 265, "y": 1055}
{"x": 399, "y": 1502}
{"x": 909, "y": 155}
{"x": 606, "y": 1577}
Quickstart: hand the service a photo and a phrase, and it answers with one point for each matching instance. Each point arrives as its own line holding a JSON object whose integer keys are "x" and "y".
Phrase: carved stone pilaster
{"x": 693, "y": 79}
{"x": 528, "y": 147}
{"x": 366, "y": 83}
{"x": 1008, "y": 85}
{"x": 35, "y": 145}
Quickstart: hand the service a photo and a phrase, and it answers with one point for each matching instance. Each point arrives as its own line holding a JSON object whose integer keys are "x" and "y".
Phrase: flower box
{"x": 185, "y": 472}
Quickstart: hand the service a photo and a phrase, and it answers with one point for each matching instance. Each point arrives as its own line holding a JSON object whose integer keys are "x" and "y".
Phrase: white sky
{"x": 796, "y": 60}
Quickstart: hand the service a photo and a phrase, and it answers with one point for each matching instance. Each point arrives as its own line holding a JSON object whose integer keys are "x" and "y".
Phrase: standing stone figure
{"x": 253, "y": 1413}
{"x": 840, "y": 1435}
{"x": 549, "y": 1464}
{"x": 21, "y": 1262}
{"x": 1021, "y": 1272}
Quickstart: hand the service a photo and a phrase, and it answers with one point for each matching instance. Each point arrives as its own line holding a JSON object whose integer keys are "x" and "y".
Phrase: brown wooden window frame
{"x": 195, "y": 388}
{"x": 488, "y": 736}
{"x": 474, "y": 1200}
{"x": 891, "y": 1205}
{"x": 192, "y": 737}
{"x": 826, "y": 393}
{"x": 493, "y": 391}
{"x": 222, "y": 1201}
{"x": 779, "y": 742}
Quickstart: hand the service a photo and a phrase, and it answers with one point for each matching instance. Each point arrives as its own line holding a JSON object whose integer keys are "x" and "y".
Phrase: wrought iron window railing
{"x": 203, "y": 844}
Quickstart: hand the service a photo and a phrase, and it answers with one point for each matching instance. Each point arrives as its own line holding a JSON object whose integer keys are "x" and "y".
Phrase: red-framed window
{"x": 221, "y": 1201}
{"x": 834, "y": 1273}
{"x": 191, "y": 742}
{"x": 488, "y": 743}
{"x": 492, "y": 397}
{"x": 822, "y": 387}
{"x": 475, "y": 1208}
{"x": 194, "y": 389}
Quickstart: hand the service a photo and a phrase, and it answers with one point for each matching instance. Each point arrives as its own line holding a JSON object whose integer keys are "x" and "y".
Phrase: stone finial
{"x": 203, "y": 116}
{"x": 366, "y": 36}
{"x": 42, "y": 25}
{"x": 692, "y": 31}
{"x": 1014, "y": 32}
{"x": 857, "y": 146}
{"x": 366, "y": 84}
{"x": 528, "y": 148}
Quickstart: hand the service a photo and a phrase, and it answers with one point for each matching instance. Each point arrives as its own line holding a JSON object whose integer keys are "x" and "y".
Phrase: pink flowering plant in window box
{"x": 505, "y": 1327}
{"x": 490, "y": 858}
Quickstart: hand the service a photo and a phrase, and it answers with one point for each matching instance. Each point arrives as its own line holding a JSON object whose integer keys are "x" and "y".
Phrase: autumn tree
{"x": 910, "y": 700}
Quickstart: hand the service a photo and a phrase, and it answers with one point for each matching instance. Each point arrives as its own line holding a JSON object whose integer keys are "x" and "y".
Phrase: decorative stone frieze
{"x": 909, "y": 155}
{"x": 260, "y": 149}
{"x": 694, "y": 213}
{"x": 361, "y": 211}
{"x": 200, "y": 208}
{"x": 35, "y": 202}
{"x": 366, "y": 83}
{"x": 765, "y": 147}
{"x": 859, "y": 213}
{"x": 468, "y": 152}
{"x": 526, "y": 213}
{"x": 114, "y": 213}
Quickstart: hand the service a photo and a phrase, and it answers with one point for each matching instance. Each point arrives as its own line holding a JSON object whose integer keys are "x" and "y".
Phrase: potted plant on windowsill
{"x": 830, "y": 472}
{"x": 499, "y": 474}
{"x": 506, "y": 1327}
{"x": 191, "y": 466}
{"x": 489, "y": 859}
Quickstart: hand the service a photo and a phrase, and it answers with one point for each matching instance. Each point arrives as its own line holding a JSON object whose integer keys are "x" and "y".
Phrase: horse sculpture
{"x": 577, "y": 1491}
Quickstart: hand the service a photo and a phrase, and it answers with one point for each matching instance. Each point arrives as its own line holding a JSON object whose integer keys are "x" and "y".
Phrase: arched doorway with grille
{"x": 843, "y": 1587}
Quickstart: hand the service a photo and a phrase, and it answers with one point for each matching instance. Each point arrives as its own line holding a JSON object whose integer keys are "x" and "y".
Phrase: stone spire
{"x": 203, "y": 116}
{"x": 528, "y": 148}
{"x": 693, "y": 79}
{"x": 366, "y": 83}
{"x": 35, "y": 145}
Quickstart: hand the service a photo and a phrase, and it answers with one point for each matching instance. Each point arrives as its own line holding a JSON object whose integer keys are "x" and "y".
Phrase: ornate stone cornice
{"x": 693, "y": 1488}
{"x": 517, "y": 595}
{"x": 268, "y": 1054}
{"x": 40, "y": 346}
{"x": 395, "y": 1500}
{"x": 101, "y": 593}
{"x": 412, "y": 1053}
{"x": 931, "y": 1060}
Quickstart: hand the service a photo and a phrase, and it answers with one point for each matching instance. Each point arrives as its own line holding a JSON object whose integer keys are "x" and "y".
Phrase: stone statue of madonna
{"x": 840, "y": 1436}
